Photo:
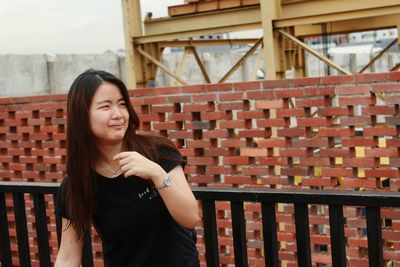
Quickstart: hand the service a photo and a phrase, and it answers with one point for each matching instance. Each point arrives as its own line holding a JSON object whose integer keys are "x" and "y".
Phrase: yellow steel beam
{"x": 292, "y": 14}
{"x": 198, "y": 23}
{"x": 132, "y": 27}
{"x": 353, "y": 25}
{"x": 200, "y": 63}
{"x": 378, "y": 55}
{"x": 213, "y": 42}
{"x": 241, "y": 60}
{"x": 315, "y": 53}
{"x": 161, "y": 66}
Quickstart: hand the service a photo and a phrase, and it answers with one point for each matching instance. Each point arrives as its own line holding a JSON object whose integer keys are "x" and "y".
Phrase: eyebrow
{"x": 109, "y": 101}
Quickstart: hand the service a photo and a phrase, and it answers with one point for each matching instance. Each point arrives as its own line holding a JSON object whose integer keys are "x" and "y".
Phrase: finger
{"x": 121, "y": 155}
{"x": 125, "y": 161}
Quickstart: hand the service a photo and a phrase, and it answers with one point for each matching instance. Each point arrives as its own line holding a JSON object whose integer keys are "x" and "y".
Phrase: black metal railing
{"x": 268, "y": 198}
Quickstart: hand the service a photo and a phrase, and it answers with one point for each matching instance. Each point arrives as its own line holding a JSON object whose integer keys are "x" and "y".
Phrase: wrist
{"x": 158, "y": 177}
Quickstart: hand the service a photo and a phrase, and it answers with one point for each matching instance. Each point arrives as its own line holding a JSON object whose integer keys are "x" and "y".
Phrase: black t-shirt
{"x": 135, "y": 227}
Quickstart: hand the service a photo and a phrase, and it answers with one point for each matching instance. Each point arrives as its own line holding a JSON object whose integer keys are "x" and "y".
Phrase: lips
{"x": 118, "y": 126}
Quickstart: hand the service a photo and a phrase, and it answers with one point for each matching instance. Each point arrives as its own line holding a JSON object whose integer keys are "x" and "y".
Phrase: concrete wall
{"x": 25, "y": 75}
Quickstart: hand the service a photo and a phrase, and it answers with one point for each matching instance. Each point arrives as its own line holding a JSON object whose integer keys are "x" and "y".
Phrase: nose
{"x": 116, "y": 114}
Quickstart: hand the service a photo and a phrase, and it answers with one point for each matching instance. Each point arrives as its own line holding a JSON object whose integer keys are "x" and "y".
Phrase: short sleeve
{"x": 170, "y": 158}
{"x": 60, "y": 200}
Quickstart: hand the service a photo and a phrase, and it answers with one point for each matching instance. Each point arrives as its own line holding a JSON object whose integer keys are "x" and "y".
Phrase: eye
{"x": 104, "y": 107}
{"x": 122, "y": 103}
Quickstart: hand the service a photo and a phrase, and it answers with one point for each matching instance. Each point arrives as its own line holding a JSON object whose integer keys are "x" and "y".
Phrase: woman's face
{"x": 108, "y": 115}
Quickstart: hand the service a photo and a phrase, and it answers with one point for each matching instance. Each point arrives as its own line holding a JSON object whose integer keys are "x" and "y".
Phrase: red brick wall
{"x": 322, "y": 133}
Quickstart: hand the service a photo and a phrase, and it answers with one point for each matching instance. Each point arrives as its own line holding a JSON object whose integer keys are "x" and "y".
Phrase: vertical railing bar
{"x": 302, "y": 235}
{"x": 338, "y": 246}
{"x": 5, "y": 248}
{"x": 270, "y": 235}
{"x": 22, "y": 230}
{"x": 42, "y": 230}
{"x": 58, "y": 221}
{"x": 87, "y": 256}
{"x": 239, "y": 233}
{"x": 374, "y": 233}
{"x": 210, "y": 233}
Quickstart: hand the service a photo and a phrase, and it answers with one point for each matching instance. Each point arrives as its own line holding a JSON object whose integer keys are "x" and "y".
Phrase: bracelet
{"x": 165, "y": 183}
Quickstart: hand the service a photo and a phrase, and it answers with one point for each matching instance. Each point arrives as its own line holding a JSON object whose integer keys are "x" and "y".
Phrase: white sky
{"x": 66, "y": 26}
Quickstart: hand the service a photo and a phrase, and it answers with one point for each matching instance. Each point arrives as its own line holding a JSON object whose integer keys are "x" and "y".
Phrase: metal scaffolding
{"x": 284, "y": 23}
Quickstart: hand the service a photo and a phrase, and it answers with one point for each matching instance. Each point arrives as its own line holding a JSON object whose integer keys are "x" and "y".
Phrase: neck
{"x": 107, "y": 152}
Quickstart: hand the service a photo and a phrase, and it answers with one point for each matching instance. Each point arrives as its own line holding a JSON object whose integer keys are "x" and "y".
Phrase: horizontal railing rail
{"x": 268, "y": 198}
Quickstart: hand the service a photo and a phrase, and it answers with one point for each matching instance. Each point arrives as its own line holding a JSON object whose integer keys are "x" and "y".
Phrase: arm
{"x": 70, "y": 252}
{"x": 178, "y": 197}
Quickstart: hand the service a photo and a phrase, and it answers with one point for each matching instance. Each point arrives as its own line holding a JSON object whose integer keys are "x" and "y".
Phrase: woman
{"x": 131, "y": 187}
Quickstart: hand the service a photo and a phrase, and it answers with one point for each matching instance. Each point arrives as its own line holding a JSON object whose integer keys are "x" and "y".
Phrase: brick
{"x": 314, "y": 161}
{"x": 140, "y": 92}
{"x": 319, "y": 181}
{"x": 293, "y": 152}
{"x": 198, "y": 143}
{"x": 314, "y": 142}
{"x": 167, "y": 90}
{"x": 358, "y": 141}
{"x": 378, "y": 110}
{"x": 313, "y": 122}
{"x": 393, "y": 120}
{"x": 393, "y": 142}
{"x": 254, "y": 133}
{"x": 356, "y": 121}
{"x": 233, "y": 106}
{"x": 253, "y": 85}
{"x": 234, "y": 124}
{"x": 236, "y": 160}
{"x": 321, "y": 91}
{"x": 200, "y": 161}
{"x": 253, "y": 152}
{"x": 232, "y": 96}
{"x": 292, "y": 132}
{"x": 205, "y": 98}
{"x": 166, "y": 126}
{"x": 260, "y": 95}
{"x": 233, "y": 143}
{"x": 198, "y": 108}
{"x": 305, "y": 81}
{"x": 359, "y": 162}
{"x": 255, "y": 114}
{"x": 179, "y": 99}
{"x": 334, "y": 111}
{"x": 394, "y": 76}
{"x": 196, "y": 125}
{"x": 215, "y": 134}
{"x": 356, "y": 100}
{"x": 344, "y": 79}
{"x": 273, "y": 142}
{"x": 217, "y": 115}
{"x": 272, "y": 123}
{"x": 238, "y": 179}
{"x": 337, "y": 172}
{"x": 381, "y": 152}
{"x": 171, "y": 117}
{"x": 353, "y": 90}
{"x": 197, "y": 88}
{"x": 335, "y": 132}
{"x": 334, "y": 152}
{"x": 270, "y": 104}
{"x": 288, "y": 93}
{"x": 317, "y": 102}
{"x": 253, "y": 170}
{"x": 295, "y": 171}
{"x": 219, "y": 87}
{"x": 293, "y": 112}
{"x": 381, "y": 173}
{"x": 371, "y": 77}
{"x": 380, "y": 131}
{"x": 386, "y": 88}
{"x": 276, "y": 84}
{"x": 218, "y": 170}
{"x": 359, "y": 182}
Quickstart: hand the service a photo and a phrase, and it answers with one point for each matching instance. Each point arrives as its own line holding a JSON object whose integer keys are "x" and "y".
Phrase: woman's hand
{"x": 133, "y": 163}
